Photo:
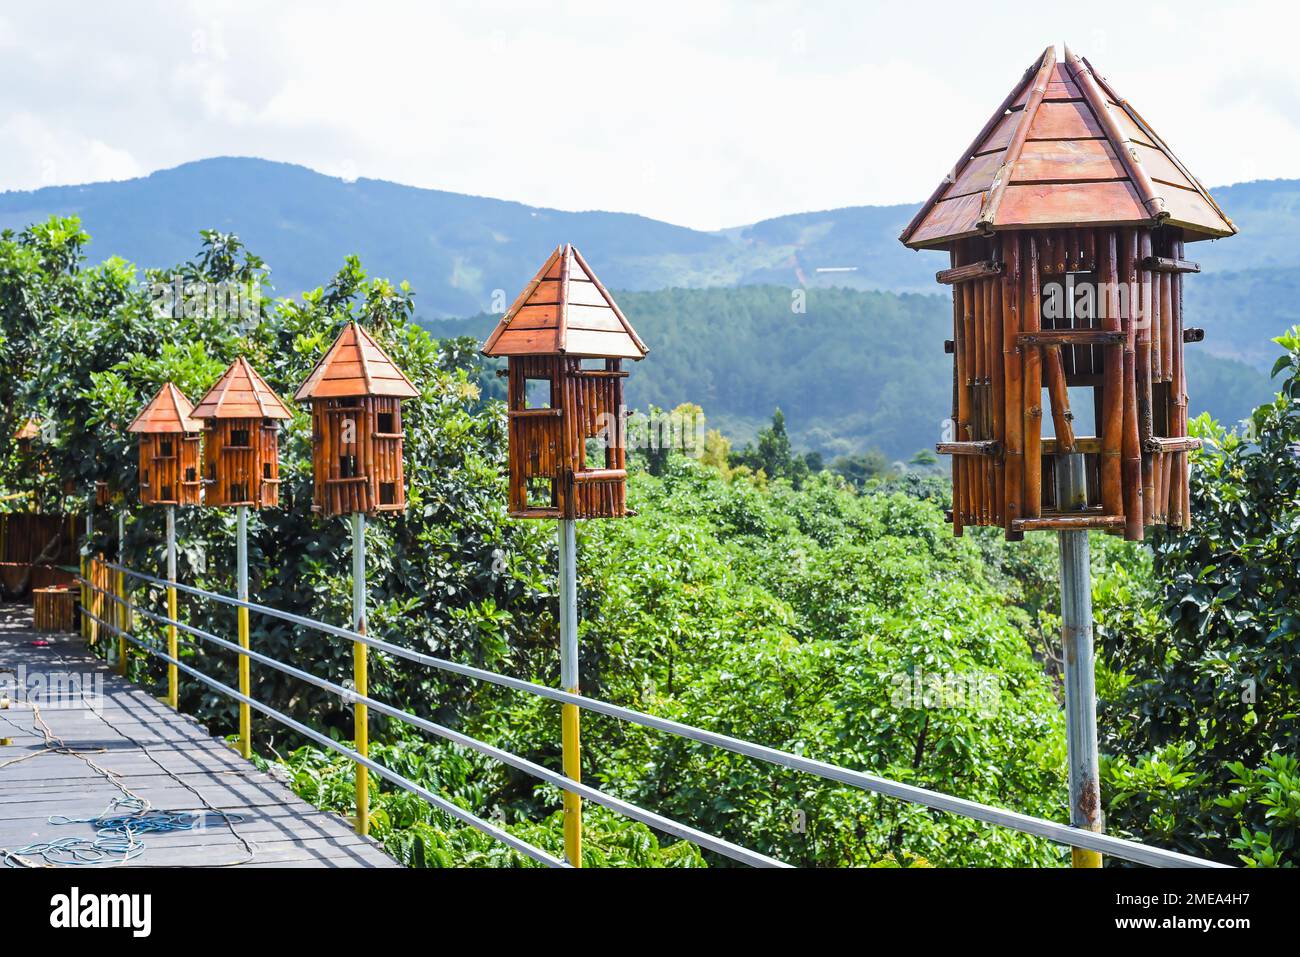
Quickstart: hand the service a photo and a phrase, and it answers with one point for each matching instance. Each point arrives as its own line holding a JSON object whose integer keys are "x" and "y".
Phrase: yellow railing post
{"x": 360, "y": 670}
{"x": 245, "y": 682}
{"x": 95, "y": 609}
{"x": 173, "y": 682}
{"x": 570, "y": 740}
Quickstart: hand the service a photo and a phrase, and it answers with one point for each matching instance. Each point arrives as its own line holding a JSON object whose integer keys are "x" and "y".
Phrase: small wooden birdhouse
{"x": 565, "y": 340}
{"x": 25, "y": 437}
{"x": 241, "y": 418}
{"x": 170, "y": 466}
{"x": 356, "y": 395}
{"x": 1066, "y": 221}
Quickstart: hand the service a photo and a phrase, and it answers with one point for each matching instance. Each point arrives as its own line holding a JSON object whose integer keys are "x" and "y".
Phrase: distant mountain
{"x": 457, "y": 250}
{"x": 863, "y": 370}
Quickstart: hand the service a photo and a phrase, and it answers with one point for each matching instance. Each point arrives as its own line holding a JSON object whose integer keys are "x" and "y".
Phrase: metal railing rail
{"x": 325, "y": 741}
{"x": 649, "y": 818}
{"x": 1059, "y": 833}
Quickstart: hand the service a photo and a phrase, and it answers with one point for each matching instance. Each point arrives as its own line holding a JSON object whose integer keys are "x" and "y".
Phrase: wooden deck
{"x": 159, "y": 755}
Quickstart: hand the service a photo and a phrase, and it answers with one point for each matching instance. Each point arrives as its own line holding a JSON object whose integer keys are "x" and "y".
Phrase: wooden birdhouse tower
{"x": 170, "y": 438}
{"x": 241, "y": 439}
{"x": 565, "y": 340}
{"x": 1066, "y": 222}
{"x": 356, "y": 395}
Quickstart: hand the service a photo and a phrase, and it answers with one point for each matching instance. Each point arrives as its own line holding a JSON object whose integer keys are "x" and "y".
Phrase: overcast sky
{"x": 707, "y": 114}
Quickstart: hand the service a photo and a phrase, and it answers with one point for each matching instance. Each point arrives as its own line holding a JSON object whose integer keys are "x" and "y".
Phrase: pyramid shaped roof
{"x": 28, "y": 430}
{"x": 168, "y": 412}
{"x": 241, "y": 393}
{"x": 1064, "y": 149}
{"x": 355, "y": 366}
{"x": 565, "y": 310}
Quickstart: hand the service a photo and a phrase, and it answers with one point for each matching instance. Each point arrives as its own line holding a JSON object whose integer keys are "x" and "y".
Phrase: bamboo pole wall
{"x": 357, "y": 456}
{"x": 241, "y": 463}
{"x": 550, "y": 443}
{"x": 1069, "y": 310}
{"x": 170, "y": 469}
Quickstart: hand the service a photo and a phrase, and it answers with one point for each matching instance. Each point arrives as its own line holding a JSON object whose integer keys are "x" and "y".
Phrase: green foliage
{"x": 419, "y": 835}
{"x": 1209, "y": 647}
{"x": 859, "y": 469}
{"x": 772, "y": 456}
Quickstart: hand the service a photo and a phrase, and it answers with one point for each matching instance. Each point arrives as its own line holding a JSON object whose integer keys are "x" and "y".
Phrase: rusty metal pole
{"x": 1077, "y": 651}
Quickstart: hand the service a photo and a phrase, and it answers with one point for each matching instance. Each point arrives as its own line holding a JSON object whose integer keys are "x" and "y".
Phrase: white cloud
{"x": 45, "y": 155}
{"x": 702, "y": 113}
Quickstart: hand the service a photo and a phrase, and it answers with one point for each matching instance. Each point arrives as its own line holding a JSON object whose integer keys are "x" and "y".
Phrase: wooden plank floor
{"x": 159, "y": 755}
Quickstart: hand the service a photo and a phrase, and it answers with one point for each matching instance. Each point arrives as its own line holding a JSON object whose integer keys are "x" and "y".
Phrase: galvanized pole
{"x": 86, "y": 565}
{"x": 119, "y": 581}
{"x": 569, "y": 720}
{"x": 241, "y": 559}
{"x": 360, "y": 670}
{"x": 173, "y": 683}
{"x": 1077, "y": 651}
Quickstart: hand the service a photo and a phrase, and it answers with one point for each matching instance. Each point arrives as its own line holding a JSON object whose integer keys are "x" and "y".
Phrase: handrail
{"x": 325, "y": 741}
{"x": 649, "y": 818}
{"x": 1059, "y": 833}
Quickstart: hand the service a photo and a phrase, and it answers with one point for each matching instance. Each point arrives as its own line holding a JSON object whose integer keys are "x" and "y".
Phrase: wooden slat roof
{"x": 168, "y": 412}
{"x": 565, "y": 310}
{"x": 241, "y": 393}
{"x": 1064, "y": 150}
{"x": 28, "y": 431}
{"x": 355, "y": 366}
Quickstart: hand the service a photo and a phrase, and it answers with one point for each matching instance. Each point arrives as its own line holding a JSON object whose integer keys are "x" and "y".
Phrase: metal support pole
{"x": 241, "y": 552}
{"x": 86, "y": 624}
{"x": 120, "y": 616}
{"x": 569, "y": 715}
{"x": 92, "y": 565}
{"x": 173, "y": 685}
{"x": 1077, "y": 650}
{"x": 360, "y": 670}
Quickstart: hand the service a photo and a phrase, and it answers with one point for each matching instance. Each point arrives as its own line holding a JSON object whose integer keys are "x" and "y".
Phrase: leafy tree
{"x": 772, "y": 454}
{"x": 1204, "y": 718}
{"x": 860, "y": 468}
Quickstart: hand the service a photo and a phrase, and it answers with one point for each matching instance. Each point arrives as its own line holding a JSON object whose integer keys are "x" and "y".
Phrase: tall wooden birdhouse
{"x": 1066, "y": 222}
{"x": 241, "y": 439}
{"x": 170, "y": 439}
{"x": 356, "y": 395}
{"x": 565, "y": 340}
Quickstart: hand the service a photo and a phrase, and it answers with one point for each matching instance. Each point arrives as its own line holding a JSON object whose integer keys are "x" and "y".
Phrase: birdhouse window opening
{"x": 386, "y": 423}
{"x": 347, "y": 466}
{"x": 387, "y": 493}
{"x": 238, "y": 492}
{"x": 266, "y": 470}
{"x": 165, "y": 448}
{"x": 190, "y": 475}
{"x": 596, "y": 452}
{"x": 167, "y": 493}
{"x": 540, "y": 492}
{"x": 212, "y": 472}
{"x": 537, "y": 394}
{"x": 144, "y": 479}
{"x": 239, "y": 439}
